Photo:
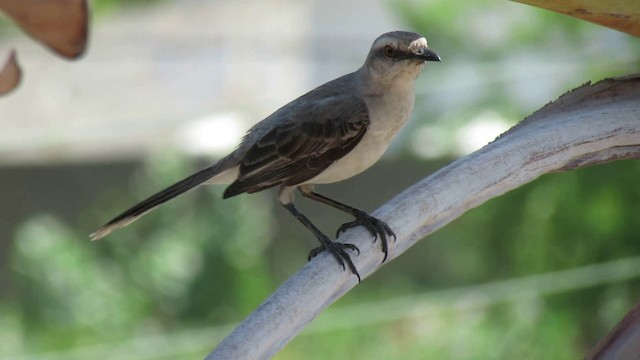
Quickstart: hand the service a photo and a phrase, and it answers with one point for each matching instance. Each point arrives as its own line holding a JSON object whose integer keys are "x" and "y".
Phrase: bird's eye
{"x": 389, "y": 51}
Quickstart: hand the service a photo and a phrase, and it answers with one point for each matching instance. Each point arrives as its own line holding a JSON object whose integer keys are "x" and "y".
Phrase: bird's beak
{"x": 427, "y": 55}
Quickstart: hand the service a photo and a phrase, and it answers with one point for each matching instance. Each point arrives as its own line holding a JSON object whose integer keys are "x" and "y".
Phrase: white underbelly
{"x": 366, "y": 153}
{"x": 390, "y": 117}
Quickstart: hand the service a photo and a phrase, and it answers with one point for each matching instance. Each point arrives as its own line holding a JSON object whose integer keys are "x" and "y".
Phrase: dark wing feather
{"x": 311, "y": 138}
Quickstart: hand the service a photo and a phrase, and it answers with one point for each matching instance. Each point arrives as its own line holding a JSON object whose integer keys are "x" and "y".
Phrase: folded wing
{"x": 311, "y": 138}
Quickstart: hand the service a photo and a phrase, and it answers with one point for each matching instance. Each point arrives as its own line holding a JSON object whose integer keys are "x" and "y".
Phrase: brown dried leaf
{"x": 619, "y": 15}
{"x": 10, "y": 74}
{"x": 59, "y": 24}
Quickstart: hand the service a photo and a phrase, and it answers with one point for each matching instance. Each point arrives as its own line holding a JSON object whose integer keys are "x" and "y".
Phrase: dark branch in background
{"x": 623, "y": 342}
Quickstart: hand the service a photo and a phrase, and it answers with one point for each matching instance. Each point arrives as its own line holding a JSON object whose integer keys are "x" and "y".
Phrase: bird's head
{"x": 398, "y": 54}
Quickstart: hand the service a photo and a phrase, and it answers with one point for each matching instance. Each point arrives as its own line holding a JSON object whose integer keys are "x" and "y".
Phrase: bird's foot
{"x": 374, "y": 226}
{"x": 337, "y": 249}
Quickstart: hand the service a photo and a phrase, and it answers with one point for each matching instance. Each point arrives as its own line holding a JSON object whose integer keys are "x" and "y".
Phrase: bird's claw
{"x": 374, "y": 226}
{"x": 337, "y": 249}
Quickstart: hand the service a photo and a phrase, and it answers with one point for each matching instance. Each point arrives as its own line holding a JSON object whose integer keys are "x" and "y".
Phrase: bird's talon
{"x": 375, "y": 227}
{"x": 352, "y": 247}
{"x": 337, "y": 250}
{"x": 314, "y": 252}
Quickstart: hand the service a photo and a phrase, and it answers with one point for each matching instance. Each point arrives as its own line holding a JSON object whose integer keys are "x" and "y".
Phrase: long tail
{"x": 158, "y": 199}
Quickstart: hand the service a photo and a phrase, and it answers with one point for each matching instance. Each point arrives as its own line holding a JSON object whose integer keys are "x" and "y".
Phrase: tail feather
{"x": 158, "y": 199}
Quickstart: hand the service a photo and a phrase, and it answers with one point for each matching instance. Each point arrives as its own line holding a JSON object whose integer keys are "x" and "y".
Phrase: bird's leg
{"x": 335, "y": 248}
{"x": 373, "y": 225}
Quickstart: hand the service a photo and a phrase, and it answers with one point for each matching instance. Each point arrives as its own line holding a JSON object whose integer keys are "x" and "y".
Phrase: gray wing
{"x": 307, "y": 140}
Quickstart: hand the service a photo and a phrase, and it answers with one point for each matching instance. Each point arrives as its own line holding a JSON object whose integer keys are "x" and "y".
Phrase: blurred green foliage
{"x": 100, "y": 7}
{"x": 203, "y": 262}
{"x": 198, "y": 262}
{"x": 503, "y": 60}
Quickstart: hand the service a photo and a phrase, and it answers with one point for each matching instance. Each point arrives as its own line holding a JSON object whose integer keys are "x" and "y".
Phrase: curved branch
{"x": 623, "y": 342}
{"x": 590, "y": 125}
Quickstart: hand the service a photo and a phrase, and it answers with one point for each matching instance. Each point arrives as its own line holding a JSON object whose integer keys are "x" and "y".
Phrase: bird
{"x": 329, "y": 134}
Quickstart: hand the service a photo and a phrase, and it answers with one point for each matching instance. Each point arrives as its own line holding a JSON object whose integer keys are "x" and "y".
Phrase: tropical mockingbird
{"x": 329, "y": 134}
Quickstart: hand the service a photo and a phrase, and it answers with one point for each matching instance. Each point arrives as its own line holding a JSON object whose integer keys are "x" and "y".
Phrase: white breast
{"x": 387, "y": 114}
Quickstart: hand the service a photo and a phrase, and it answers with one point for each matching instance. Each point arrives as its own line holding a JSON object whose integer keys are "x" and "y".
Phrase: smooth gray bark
{"x": 590, "y": 125}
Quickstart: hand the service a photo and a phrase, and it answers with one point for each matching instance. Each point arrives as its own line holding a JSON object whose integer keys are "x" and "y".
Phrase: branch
{"x": 590, "y": 125}
{"x": 623, "y": 342}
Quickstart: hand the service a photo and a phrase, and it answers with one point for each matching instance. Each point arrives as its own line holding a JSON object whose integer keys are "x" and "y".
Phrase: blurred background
{"x": 166, "y": 87}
